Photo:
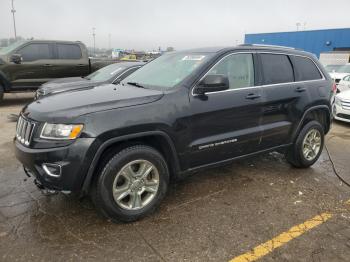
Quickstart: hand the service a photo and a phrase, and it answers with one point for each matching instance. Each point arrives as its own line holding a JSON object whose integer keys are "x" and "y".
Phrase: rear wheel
{"x": 1, "y": 92}
{"x": 132, "y": 184}
{"x": 308, "y": 146}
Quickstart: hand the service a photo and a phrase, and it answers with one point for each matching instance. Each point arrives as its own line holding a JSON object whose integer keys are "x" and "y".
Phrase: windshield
{"x": 344, "y": 69}
{"x": 168, "y": 70}
{"x": 10, "y": 48}
{"x": 106, "y": 72}
{"x": 332, "y": 68}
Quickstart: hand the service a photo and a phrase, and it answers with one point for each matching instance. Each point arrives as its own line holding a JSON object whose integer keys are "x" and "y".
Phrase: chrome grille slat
{"x": 345, "y": 104}
{"x": 19, "y": 127}
{"x": 24, "y": 130}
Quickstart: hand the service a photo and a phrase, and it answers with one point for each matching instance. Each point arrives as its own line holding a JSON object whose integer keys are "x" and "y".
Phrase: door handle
{"x": 252, "y": 96}
{"x": 80, "y": 65}
{"x": 300, "y": 89}
{"x": 48, "y": 65}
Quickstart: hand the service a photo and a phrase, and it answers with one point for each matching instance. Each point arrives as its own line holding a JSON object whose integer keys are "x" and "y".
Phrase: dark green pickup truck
{"x": 25, "y": 65}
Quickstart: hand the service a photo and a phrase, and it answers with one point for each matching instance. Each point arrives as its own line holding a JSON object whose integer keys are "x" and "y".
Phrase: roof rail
{"x": 278, "y": 46}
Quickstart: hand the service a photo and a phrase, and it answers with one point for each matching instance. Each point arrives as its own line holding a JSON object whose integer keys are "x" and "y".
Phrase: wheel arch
{"x": 4, "y": 82}
{"x": 156, "y": 139}
{"x": 320, "y": 113}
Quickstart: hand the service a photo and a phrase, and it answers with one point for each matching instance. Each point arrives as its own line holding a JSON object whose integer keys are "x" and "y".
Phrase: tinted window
{"x": 276, "y": 69}
{"x": 68, "y": 51}
{"x": 347, "y": 78}
{"x": 306, "y": 69}
{"x": 33, "y": 52}
{"x": 238, "y": 68}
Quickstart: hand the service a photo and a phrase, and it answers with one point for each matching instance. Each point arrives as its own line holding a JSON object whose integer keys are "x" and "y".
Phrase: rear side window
{"x": 306, "y": 69}
{"x": 276, "y": 69}
{"x": 33, "y": 52}
{"x": 68, "y": 51}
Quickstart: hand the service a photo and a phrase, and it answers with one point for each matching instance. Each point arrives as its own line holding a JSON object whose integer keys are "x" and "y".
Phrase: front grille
{"x": 24, "y": 130}
{"x": 345, "y": 104}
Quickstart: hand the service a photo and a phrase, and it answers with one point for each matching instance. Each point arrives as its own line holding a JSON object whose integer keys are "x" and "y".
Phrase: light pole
{"x": 109, "y": 41}
{"x": 93, "y": 35}
{"x": 14, "y": 21}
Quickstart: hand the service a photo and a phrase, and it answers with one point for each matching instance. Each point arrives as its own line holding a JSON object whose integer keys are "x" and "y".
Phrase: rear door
{"x": 226, "y": 124}
{"x": 69, "y": 61}
{"x": 33, "y": 70}
{"x": 284, "y": 99}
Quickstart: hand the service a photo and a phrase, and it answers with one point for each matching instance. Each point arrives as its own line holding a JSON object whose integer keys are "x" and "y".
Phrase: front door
{"x": 226, "y": 124}
{"x": 34, "y": 68}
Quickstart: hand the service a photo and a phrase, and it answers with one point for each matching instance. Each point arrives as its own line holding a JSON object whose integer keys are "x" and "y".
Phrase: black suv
{"x": 180, "y": 113}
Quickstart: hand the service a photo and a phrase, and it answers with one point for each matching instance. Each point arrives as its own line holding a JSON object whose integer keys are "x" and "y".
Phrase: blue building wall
{"x": 315, "y": 41}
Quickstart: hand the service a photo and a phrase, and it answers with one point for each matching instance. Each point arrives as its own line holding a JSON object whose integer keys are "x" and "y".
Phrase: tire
{"x": 1, "y": 92}
{"x": 296, "y": 156}
{"x": 115, "y": 176}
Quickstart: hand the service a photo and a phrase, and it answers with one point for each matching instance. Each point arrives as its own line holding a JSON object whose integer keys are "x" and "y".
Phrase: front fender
{"x": 111, "y": 141}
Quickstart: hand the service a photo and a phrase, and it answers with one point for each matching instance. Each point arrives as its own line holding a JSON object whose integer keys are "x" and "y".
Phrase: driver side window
{"x": 33, "y": 52}
{"x": 238, "y": 68}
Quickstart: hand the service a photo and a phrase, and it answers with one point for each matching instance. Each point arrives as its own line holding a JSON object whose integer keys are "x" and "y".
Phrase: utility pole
{"x": 13, "y": 11}
{"x": 93, "y": 35}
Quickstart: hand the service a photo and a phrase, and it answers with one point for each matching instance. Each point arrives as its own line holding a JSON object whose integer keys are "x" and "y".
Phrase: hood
{"x": 63, "y": 107}
{"x": 345, "y": 95}
{"x": 338, "y": 75}
{"x": 66, "y": 84}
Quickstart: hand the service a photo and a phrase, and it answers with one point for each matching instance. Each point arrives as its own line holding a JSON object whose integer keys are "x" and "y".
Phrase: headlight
{"x": 61, "y": 131}
{"x": 337, "y": 101}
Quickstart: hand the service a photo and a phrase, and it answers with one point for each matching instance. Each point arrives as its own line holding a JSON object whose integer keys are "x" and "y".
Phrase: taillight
{"x": 334, "y": 88}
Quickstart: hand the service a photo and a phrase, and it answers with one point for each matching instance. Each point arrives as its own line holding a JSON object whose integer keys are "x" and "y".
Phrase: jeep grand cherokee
{"x": 180, "y": 113}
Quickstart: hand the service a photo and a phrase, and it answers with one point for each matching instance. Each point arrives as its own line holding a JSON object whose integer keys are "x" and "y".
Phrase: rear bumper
{"x": 73, "y": 160}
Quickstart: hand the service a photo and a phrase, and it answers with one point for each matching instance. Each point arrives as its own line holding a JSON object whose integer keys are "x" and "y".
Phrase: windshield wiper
{"x": 135, "y": 84}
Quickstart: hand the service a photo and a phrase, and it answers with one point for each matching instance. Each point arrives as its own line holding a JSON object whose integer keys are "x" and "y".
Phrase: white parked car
{"x": 341, "y": 109}
{"x": 340, "y": 73}
{"x": 344, "y": 84}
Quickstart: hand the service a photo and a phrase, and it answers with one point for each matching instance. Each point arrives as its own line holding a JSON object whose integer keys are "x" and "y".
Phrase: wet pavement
{"x": 215, "y": 215}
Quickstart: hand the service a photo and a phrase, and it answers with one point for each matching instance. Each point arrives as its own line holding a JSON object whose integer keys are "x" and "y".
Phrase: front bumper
{"x": 74, "y": 161}
{"x": 341, "y": 114}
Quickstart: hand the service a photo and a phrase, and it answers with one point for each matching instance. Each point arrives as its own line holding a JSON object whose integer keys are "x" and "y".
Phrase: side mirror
{"x": 212, "y": 83}
{"x": 16, "y": 58}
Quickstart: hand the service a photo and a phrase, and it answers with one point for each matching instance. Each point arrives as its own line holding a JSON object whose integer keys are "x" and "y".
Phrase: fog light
{"x": 53, "y": 170}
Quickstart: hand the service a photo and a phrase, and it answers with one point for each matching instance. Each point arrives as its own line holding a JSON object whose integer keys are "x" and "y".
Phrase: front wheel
{"x": 308, "y": 146}
{"x": 132, "y": 184}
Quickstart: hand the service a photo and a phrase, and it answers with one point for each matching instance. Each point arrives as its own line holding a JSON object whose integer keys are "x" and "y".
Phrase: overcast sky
{"x": 146, "y": 24}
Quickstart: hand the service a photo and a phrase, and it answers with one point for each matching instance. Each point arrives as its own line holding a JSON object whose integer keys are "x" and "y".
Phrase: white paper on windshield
{"x": 193, "y": 57}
